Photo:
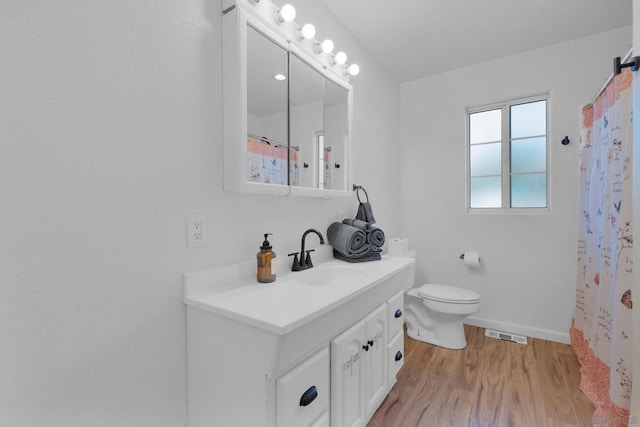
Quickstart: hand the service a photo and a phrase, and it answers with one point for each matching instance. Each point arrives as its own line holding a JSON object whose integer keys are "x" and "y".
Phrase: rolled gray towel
{"x": 362, "y": 225}
{"x": 371, "y": 256}
{"x": 375, "y": 237}
{"x": 348, "y": 240}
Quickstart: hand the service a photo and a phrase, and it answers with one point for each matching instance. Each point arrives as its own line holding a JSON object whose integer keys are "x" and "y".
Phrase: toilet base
{"x": 447, "y": 335}
{"x": 436, "y": 322}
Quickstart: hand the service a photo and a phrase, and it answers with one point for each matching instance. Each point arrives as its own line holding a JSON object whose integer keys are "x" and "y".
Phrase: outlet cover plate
{"x": 195, "y": 230}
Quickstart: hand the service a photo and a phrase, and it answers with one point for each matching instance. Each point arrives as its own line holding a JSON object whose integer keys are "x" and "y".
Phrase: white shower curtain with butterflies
{"x": 601, "y": 328}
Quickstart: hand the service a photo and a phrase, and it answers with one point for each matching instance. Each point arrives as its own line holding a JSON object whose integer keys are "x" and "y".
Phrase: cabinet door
{"x": 375, "y": 358}
{"x": 347, "y": 378}
{"x": 395, "y": 315}
{"x": 302, "y": 394}
{"x": 395, "y": 356}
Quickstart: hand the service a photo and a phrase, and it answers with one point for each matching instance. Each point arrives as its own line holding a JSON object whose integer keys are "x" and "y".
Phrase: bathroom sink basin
{"x": 296, "y": 299}
{"x": 330, "y": 274}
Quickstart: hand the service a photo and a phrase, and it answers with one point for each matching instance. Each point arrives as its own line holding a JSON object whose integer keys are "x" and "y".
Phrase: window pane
{"x": 485, "y": 126}
{"x": 529, "y": 155}
{"x": 529, "y": 191}
{"x": 486, "y": 192}
{"x": 529, "y": 119}
{"x": 485, "y": 159}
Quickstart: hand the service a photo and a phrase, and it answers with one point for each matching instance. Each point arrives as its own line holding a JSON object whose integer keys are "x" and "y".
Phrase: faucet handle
{"x": 307, "y": 260}
{"x": 296, "y": 263}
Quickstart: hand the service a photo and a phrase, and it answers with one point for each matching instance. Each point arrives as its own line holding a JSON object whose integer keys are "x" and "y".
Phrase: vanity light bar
{"x": 286, "y": 14}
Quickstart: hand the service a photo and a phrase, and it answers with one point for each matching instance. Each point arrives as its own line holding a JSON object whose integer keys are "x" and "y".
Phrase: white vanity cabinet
{"x": 395, "y": 336}
{"x": 375, "y": 360}
{"x": 348, "y": 377}
{"x": 302, "y": 394}
{"x": 291, "y": 353}
{"x": 358, "y": 370}
{"x": 364, "y": 365}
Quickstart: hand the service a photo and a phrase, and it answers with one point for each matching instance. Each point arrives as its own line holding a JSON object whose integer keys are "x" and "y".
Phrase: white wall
{"x": 527, "y": 279}
{"x": 110, "y": 134}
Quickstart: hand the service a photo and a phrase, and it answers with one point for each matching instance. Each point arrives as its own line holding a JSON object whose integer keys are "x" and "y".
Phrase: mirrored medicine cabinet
{"x": 287, "y": 115}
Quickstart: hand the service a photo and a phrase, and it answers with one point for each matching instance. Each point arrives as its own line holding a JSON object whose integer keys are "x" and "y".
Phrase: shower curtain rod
{"x": 604, "y": 86}
{"x": 270, "y": 141}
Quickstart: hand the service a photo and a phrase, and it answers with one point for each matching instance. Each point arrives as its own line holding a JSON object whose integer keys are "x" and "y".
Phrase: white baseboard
{"x": 545, "y": 334}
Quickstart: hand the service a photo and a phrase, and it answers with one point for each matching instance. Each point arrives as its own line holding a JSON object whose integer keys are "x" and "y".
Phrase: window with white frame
{"x": 507, "y": 156}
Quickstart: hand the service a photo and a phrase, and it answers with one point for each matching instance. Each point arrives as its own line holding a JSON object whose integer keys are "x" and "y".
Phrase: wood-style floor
{"x": 489, "y": 383}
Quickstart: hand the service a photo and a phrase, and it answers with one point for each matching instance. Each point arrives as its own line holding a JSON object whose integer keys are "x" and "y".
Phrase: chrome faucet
{"x": 304, "y": 262}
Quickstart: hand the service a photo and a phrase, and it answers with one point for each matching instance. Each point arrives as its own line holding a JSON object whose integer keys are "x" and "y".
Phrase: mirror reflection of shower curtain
{"x": 327, "y": 167}
{"x": 601, "y": 327}
{"x": 266, "y": 163}
{"x": 294, "y": 166}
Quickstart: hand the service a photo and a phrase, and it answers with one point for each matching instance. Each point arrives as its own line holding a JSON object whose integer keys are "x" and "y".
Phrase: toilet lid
{"x": 449, "y": 294}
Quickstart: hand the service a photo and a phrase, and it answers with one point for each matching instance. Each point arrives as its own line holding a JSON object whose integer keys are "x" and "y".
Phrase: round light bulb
{"x": 308, "y": 31}
{"x": 327, "y": 46}
{"x": 287, "y": 13}
{"x": 354, "y": 69}
{"x": 341, "y": 58}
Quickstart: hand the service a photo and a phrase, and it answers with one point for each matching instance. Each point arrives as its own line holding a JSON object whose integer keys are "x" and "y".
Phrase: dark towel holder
{"x": 618, "y": 66}
{"x": 360, "y": 187}
{"x": 462, "y": 256}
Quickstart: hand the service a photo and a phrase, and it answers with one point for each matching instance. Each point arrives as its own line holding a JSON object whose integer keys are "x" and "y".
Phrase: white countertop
{"x": 290, "y": 301}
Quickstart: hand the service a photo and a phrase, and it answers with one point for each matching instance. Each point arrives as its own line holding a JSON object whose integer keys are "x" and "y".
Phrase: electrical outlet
{"x": 195, "y": 230}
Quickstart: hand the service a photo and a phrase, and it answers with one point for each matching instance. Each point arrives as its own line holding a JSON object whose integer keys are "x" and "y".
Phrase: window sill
{"x": 508, "y": 211}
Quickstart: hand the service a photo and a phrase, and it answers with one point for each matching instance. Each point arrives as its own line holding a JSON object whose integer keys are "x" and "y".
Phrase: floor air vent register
{"x": 505, "y": 336}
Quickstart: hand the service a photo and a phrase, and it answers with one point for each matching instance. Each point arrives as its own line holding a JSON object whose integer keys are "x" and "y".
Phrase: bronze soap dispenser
{"x": 266, "y": 269}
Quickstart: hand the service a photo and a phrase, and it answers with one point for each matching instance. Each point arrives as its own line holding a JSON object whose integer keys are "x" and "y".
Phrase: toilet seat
{"x": 448, "y": 294}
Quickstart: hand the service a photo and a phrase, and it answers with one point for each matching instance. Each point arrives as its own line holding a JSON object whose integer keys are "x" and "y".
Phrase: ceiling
{"x": 418, "y": 38}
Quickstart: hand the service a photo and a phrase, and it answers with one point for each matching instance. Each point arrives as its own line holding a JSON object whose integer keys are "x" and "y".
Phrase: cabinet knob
{"x": 398, "y": 313}
{"x": 370, "y": 342}
{"x": 365, "y": 347}
{"x": 309, "y": 396}
{"x": 398, "y": 355}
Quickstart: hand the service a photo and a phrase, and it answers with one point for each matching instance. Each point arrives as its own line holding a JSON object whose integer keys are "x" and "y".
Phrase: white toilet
{"x": 434, "y": 314}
